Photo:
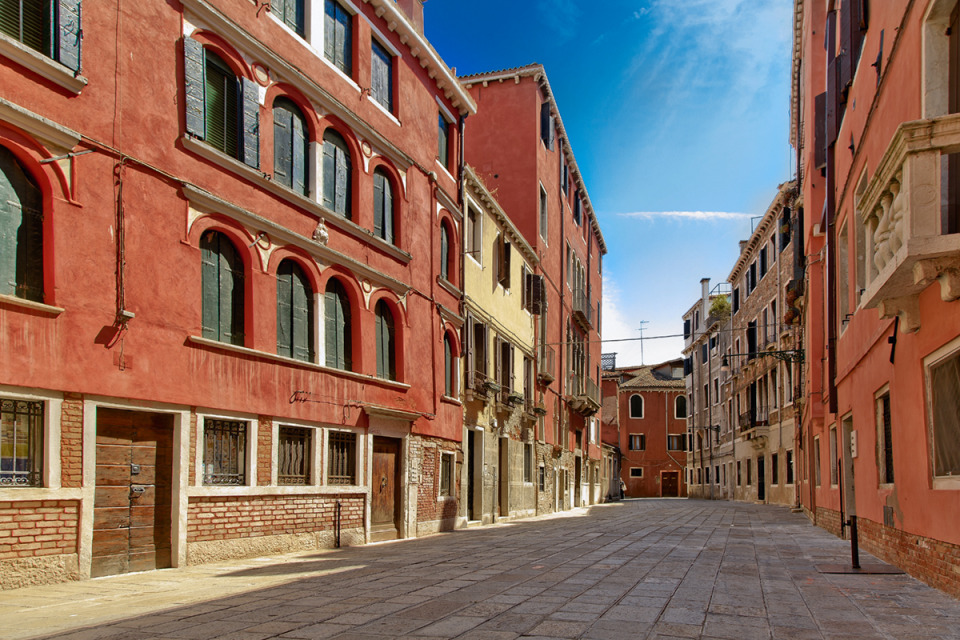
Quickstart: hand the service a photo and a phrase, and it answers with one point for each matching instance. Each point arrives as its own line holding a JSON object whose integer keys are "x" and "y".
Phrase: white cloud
{"x": 563, "y": 16}
{"x": 621, "y": 321}
{"x": 689, "y": 215}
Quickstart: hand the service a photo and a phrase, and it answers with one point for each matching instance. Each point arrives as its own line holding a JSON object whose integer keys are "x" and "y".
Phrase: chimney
{"x": 414, "y": 11}
{"x": 743, "y": 245}
{"x": 705, "y": 297}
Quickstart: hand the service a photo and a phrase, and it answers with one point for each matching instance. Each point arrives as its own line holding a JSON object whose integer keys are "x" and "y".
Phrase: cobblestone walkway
{"x": 637, "y": 569}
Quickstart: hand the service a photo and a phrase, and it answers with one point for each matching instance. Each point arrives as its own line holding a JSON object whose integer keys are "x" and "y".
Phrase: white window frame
{"x": 250, "y": 467}
{"x": 359, "y": 471}
{"x": 947, "y": 351}
{"x": 315, "y": 449}
{"x": 643, "y": 406}
{"x": 543, "y": 213}
{"x": 446, "y": 457}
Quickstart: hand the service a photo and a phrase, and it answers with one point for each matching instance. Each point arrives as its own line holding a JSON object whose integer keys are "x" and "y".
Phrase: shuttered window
{"x": 383, "y": 206}
{"x": 548, "y": 131}
{"x": 338, "y": 37}
{"x": 21, "y": 443}
{"x": 220, "y": 101}
{"x": 443, "y": 141}
{"x": 449, "y": 368}
{"x": 342, "y": 462}
{"x": 336, "y": 327}
{"x": 289, "y": 145}
{"x": 381, "y": 76}
{"x": 21, "y": 231}
{"x": 294, "y": 313}
{"x": 444, "y": 252}
{"x": 222, "y": 286}
{"x": 885, "y": 436}
{"x": 51, "y": 27}
{"x": 290, "y": 13}
{"x": 386, "y": 343}
{"x": 543, "y": 214}
{"x": 337, "y": 171}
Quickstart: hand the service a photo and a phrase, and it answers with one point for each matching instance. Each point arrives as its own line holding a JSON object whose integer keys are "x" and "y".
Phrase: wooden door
{"x": 670, "y": 484}
{"x": 761, "y": 481}
{"x": 385, "y": 498}
{"x": 132, "y": 504}
{"x": 503, "y": 493}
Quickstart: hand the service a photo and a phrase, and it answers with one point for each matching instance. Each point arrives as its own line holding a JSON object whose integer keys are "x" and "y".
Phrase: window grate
{"x": 293, "y": 456}
{"x": 343, "y": 457}
{"x": 21, "y": 443}
{"x": 224, "y": 452}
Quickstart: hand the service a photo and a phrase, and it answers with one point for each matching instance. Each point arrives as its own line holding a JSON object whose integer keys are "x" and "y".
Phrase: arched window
{"x": 336, "y": 173}
{"x": 336, "y": 327}
{"x": 21, "y": 231}
{"x": 294, "y": 312}
{"x": 386, "y": 343}
{"x": 382, "y": 206}
{"x": 449, "y": 368}
{"x": 290, "y": 157}
{"x": 636, "y": 406}
{"x": 680, "y": 407}
{"x": 291, "y": 13}
{"x": 444, "y": 252}
{"x": 222, "y": 278}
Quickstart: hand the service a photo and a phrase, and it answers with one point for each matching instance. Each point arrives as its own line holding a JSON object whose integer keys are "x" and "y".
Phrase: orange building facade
{"x": 876, "y": 125}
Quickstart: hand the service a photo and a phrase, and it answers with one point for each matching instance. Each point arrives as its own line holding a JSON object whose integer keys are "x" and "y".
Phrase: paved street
{"x": 637, "y": 569}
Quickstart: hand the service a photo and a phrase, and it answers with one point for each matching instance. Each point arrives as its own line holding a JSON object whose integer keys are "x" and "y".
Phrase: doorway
{"x": 761, "y": 480}
{"x": 578, "y": 481}
{"x": 132, "y": 509}
{"x": 471, "y": 474}
{"x": 503, "y": 494}
{"x": 385, "y": 498}
{"x": 670, "y": 484}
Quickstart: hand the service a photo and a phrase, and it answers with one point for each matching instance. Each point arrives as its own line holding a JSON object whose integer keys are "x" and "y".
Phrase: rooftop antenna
{"x": 642, "y": 322}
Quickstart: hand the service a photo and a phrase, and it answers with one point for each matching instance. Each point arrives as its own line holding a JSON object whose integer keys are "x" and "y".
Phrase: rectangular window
{"x": 446, "y": 474}
{"x": 944, "y": 397}
{"x": 789, "y": 466}
{"x": 541, "y": 479}
{"x": 834, "y": 479}
{"x": 527, "y": 462}
{"x": 293, "y": 455}
{"x": 381, "y": 76}
{"x": 884, "y": 440}
{"x": 342, "y": 463}
{"x": 816, "y": 459}
{"x": 443, "y": 141}
{"x": 774, "y": 468}
{"x": 763, "y": 262}
{"x": 736, "y": 299}
{"x": 577, "y": 208}
{"x": 337, "y": 37}
{"x": 739, "y": 476}
{"x": 675, "y": 442}
{"x": 21, "y": 443}
{"x": 548, "y": 131}
{"x": 473, "y": 235}
{"x": 543, "y": 214}
{"x": 53, "y": 29}
{"x": 638, "y": 442}
{"x": 224, "y": 452}
{"x": 636, "y": 472}
{"x": 749, "y": 471}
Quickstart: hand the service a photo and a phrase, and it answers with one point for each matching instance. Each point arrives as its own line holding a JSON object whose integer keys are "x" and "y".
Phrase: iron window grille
{"x": 224, "y": 452}
{"x": 21, "y": 443}
{"x": 343, "y": 458}
{"x": 293, "y": 456}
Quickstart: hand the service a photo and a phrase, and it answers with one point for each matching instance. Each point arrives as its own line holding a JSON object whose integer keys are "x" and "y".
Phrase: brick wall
{"x": 264, "y": 449}
{"x": 71, "y": 440}
{"x": 829, "y": 520}
{"x": 38, "y": 528}
{"x": 225, "y": 518}
{"x": 192, "y": 471}
{"x": 429, "y": 508}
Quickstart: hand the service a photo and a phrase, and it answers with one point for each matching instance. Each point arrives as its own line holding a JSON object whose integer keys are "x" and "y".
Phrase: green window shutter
{"x": 293, "y": 15}
{"x": 299, "y": 154}
{"x": 210, "y": 284}
{"x": 381, "y": 76}
{"x": 447, "y": 367}
{"x": 388, "y": 211}
{"x": 231, "y": 294}
{"x": 337, "y": 331}
{"x": 386, "y": 361}
{"x": 378, "y": 187}
{"x": 21, "y": 231}
{"x": 342, "y": 182}
{"x": 302, "y": 316}
{"x": 29, "y": 23}
{"x": 193, "y": 71}
{"x": 68, "y": 20}
{"x": 443, "y": 141}
{"x": 285, "y": 309}
{"x": 282, "y": 144}
{"x": 344, "y": 42}
{"x": 329, "y": 175}
{"x": 251, "y": 123}
{"x": 330, "y": 31}
{"x": 220, "y": 105}
{"x": 444, "y": 251}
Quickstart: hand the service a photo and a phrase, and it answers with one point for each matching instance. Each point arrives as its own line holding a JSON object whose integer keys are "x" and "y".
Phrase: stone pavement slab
{"x": 635, "y": 569}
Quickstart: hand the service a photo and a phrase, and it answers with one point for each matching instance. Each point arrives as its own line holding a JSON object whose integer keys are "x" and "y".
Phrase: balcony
{"x": 583, "y": 395}
{"x": 582, "y": 311}
{"x": 901, "y": 222}
{"x": 754, "y": 418}
{"x": 546, "y": 367}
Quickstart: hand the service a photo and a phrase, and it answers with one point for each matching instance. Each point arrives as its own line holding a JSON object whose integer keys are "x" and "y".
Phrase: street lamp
{"x": 792, "y": 355}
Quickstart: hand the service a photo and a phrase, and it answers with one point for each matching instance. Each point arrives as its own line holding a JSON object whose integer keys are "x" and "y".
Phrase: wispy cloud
{"x": 687, "y": 215}
{"x": 563, "y": 16}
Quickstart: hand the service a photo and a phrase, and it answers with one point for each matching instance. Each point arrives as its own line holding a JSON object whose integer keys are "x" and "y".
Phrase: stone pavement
{"x": 636, "y": 569}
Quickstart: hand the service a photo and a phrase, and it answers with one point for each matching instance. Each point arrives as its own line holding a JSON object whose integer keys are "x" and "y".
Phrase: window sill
{"x": 446, "y": 498}
{"x": 451, "y": 400}
{"x": 44, "y": 309}
{"x": 385, "y": 111}
{"x": 30, "y": 494}
{"x": 946, "y": 483}
{"x": 223, "y": 346}
{"x": 445, "y": 170}
{"x": 46, "y": 131}
{"x": 260, "y": 179}
{"x": 206, "y": 491}
{"x": 41, "y": 65}
{"x": 449, "y": 287}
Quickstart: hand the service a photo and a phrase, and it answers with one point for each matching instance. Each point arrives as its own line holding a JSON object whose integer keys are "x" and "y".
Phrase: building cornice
{"x": 487, "y": 199}
{"x": 780, "y": 201}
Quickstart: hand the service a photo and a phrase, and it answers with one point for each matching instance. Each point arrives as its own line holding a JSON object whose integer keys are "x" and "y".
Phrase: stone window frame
{"x": 949, "y": 350}
{"x": 51, "y": 474}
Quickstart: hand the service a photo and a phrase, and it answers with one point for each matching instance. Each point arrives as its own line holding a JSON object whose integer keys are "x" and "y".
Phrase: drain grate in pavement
{"x": 867, "y": 569}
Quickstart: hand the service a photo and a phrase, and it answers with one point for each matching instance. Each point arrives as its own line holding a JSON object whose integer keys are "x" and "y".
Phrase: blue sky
{"x": 678, "y": 114}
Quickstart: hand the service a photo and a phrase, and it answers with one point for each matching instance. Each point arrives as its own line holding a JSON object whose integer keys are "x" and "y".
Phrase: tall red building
{"x": 228, "y": 271}
{"x": 541, "y": 188}
{"x": 875, "y": 122}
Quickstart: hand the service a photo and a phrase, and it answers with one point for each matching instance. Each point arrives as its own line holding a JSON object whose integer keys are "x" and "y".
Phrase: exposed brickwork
{"x": 225, "y": 518}
{"x": 38, "y": 528}
{"x": 264, "y": 449}
{"x": 192, "y": 471}
{"x": 71, "y": 440}
{"x": 828, "y": 519}
{"x": 429, "y": 508}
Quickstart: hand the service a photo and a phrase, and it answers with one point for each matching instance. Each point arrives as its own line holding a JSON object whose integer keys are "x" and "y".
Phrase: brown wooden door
{"x": 132, "y": 505}
{"x": 385, "y": 499}
{"x": 670, "y": 484}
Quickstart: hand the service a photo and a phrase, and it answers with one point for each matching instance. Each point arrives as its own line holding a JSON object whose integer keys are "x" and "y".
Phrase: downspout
{"x": 831, "y": 210}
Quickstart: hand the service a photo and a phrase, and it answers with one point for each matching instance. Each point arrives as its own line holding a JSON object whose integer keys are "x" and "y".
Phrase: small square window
{"x": 224, "y": 452}
{"x": 636, "y": 472}
{"x": 21, "y": 443}
{"x": 293, "y": 455}
{"x": 638, "y": 442}
{"x": 342, "y": 464}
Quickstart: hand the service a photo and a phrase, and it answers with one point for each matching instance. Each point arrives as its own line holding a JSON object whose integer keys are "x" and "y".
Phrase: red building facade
{"x": 542, "y": 188}
{"x": 876, "y": 127}
{"x": 221, "y": 315}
